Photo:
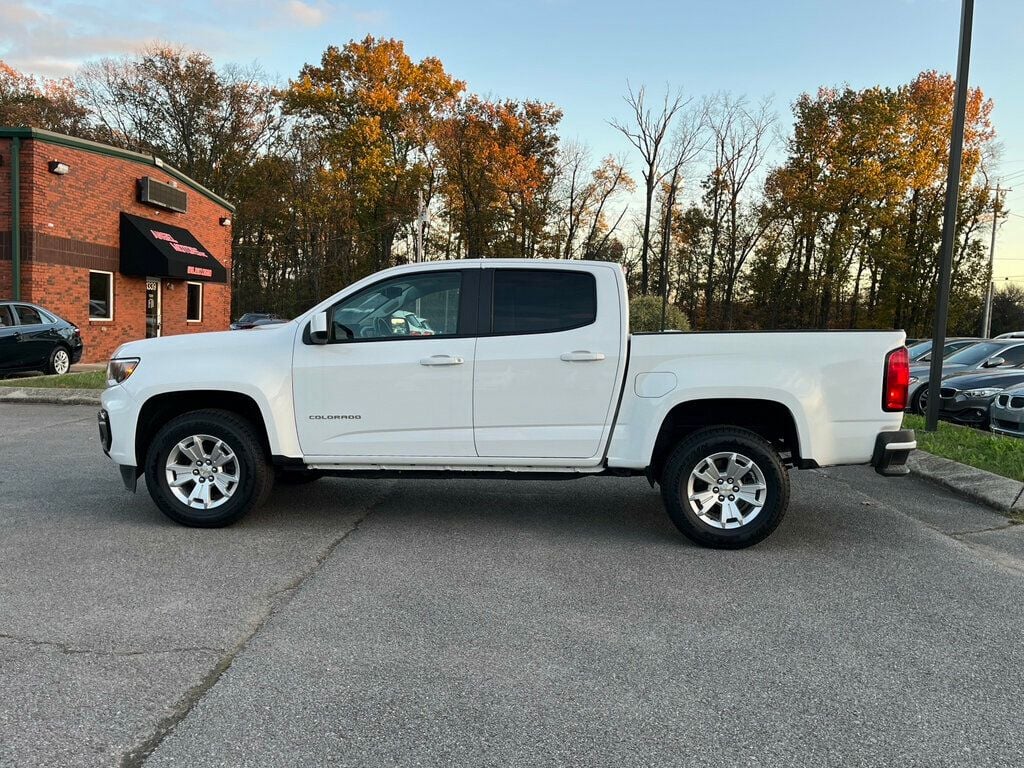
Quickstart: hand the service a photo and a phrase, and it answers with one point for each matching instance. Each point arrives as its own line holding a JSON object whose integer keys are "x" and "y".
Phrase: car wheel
{"x": 919, "y": 401}
{"x": 59, "y": 362}
{"x": 297, "y": 476}
{"x": 208, "y": 469}
{"x": 725, "y": 487}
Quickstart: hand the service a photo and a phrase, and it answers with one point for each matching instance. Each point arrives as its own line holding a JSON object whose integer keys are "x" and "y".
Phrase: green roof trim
{"x": 60, "y": 139}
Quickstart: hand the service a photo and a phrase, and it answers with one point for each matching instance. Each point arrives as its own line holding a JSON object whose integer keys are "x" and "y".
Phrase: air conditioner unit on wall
{"x": 160, "y": 195}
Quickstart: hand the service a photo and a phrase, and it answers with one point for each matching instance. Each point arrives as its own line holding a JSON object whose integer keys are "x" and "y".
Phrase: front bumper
{"x": 891, "y": 452}
{"x": 971, "y": 411}
{"x": 1007, "y": 415}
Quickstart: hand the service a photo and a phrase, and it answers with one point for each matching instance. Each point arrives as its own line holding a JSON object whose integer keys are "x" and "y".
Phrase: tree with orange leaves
{"x": 373, "y": 111}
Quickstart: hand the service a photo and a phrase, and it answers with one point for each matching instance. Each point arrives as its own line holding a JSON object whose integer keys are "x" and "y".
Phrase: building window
{"x": 101, "y": 295}
{"x": 194, "y": 310}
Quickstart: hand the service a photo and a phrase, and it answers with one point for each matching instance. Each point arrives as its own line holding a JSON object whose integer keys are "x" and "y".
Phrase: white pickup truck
{"x": 508, "y": 368}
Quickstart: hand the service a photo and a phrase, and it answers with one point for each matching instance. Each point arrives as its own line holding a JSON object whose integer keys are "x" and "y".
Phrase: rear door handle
{"x": 581, "y": 356}
{"x": 442, "y": 360}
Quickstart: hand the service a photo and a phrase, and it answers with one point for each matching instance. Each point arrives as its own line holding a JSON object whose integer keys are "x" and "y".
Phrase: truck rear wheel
{"x": 207, "y": 469}
{"x": 725, "y": 487}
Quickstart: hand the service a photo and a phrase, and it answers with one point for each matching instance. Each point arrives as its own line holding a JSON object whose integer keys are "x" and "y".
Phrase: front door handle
{"x": 581, "y": 356}
{"x": 442, "y": 360}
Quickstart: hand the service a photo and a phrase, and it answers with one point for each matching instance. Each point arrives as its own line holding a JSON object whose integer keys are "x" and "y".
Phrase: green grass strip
{"x": 998, "y": 454}
{"x": 84, "y": 380}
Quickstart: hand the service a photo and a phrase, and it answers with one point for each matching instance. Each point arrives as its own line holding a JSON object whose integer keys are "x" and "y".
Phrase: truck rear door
{"x": 549, "y": 361}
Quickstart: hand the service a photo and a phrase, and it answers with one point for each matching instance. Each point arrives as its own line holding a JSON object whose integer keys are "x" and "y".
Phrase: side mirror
{"x": 318, "y": 328}
{"x": 994, "y": 362}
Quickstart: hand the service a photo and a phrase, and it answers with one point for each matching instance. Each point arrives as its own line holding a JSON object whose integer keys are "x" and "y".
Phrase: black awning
{"x": 155, "y": 249}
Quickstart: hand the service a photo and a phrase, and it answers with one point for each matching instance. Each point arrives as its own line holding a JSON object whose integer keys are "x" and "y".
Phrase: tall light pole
{"x": 986, "y": 325}
{"x": 956, "y": 149}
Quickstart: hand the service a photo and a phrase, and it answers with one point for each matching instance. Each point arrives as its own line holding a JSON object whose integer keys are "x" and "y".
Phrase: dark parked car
{"x": 965, "y": 398}
{"x": 35, "y": 339}
{"x": 997, "y": 353}
{"x": 921, "y": 352}
{"x": 253, "y": 319}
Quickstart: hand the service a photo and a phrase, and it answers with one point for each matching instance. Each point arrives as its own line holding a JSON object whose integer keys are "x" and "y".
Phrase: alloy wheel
{"x": 202, "y": 471}
{"x": 61, "y": 361}
{"x": 726, "y": 490}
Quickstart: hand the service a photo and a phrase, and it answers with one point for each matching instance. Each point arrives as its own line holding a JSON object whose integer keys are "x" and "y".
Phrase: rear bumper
{"x": 891, "y": 452}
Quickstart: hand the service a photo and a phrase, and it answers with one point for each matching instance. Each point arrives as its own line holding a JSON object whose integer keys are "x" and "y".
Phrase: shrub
{"x": 645, "y": 315}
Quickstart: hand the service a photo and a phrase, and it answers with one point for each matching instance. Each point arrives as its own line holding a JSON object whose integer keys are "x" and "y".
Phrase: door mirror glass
{"x": 994, "y": 362}
{"x": 318, "y": 328}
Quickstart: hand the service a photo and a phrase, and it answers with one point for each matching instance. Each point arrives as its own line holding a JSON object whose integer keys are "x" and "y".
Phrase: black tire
{"x": 691, "y": 454}
{"x": 916, "y": 404}
{"x": 297, "y": 476}
{"x": 255, "y": 475}
{"x": 59, "y": 361}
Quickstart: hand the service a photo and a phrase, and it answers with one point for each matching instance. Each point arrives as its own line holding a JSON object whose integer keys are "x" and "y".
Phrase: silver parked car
{"x": 1007, "y": 412}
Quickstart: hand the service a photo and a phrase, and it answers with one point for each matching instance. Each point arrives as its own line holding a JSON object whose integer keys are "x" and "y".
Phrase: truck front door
{"x": 396, "y": 376}
{"x": 548, "y": 367}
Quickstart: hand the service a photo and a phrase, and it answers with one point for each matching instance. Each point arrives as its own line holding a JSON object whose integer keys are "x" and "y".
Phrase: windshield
{"x": 974, "y": 354}
{"x": 916, "y": 350}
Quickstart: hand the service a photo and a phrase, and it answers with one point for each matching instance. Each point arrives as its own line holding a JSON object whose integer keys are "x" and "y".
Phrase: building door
{"x": 152, "y": 307}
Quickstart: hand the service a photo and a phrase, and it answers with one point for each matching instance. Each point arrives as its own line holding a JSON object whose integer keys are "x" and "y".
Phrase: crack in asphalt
{"x": 982, "y": 530}
{"x": 72, "y": 651}
{"x": 276, "y": 600}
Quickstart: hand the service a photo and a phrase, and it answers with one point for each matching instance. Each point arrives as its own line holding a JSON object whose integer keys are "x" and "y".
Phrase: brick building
{"x": 116, "y": 242}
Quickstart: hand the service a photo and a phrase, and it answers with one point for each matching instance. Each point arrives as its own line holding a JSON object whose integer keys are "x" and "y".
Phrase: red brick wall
{"x": 73, "y": 224}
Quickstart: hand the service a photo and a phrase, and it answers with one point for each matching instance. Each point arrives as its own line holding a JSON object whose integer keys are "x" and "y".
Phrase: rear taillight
{"x": 896, "y": 380}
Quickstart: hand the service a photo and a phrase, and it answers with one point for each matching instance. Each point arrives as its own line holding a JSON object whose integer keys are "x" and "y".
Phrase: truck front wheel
{"x": 207, "y": 469}
{"x": 725, "y": 487}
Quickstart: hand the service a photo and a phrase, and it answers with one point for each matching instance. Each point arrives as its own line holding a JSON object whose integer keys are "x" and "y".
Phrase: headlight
{"x": 120, "y": 369}
{"x": 983, "y": 392}
{"x": 913, "y": 380}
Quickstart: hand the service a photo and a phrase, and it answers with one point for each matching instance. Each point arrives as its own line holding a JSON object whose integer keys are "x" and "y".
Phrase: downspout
{"x": 16, "y": 216}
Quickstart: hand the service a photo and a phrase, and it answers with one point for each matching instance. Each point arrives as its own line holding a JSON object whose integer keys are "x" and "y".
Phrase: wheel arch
{"x": 772, "y": 420}
{"x": 161, "y": 408}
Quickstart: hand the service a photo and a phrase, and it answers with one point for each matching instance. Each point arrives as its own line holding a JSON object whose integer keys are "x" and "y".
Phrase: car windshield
{"x": 974, "y": 354}
{"x": 916, "y": 350}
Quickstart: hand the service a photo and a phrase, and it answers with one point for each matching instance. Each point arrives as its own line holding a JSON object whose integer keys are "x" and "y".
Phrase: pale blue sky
{"x": 578, "y": 54}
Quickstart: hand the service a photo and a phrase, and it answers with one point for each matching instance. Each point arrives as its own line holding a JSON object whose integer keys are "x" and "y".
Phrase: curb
{"x": 995, "y": 491}
{"x": 55, "y": 396}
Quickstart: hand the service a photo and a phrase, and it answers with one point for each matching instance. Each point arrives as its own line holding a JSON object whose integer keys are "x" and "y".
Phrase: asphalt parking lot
{"x": 483, "y": 623}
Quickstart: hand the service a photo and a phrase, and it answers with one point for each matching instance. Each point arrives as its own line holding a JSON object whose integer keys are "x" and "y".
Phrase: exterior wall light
{"x": 59, "y": 168}
{"x": 225, "y": 221}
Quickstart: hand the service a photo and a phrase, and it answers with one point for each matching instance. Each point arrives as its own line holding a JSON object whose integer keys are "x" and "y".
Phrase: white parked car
{"x": 530, "y": 372}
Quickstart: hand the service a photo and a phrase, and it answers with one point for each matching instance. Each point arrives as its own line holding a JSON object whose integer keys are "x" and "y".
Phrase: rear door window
{"x": 6, "y": 318}
{"x": 1013, "y": 355}
{"x": 28, "y": 315}
{"x": 543, "y": 300}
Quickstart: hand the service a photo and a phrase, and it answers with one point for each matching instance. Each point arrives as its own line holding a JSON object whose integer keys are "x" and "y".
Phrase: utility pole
{"x": 421, "y": 221}
{"x": 956, "y": 148}
{"x": 986, "y": 325}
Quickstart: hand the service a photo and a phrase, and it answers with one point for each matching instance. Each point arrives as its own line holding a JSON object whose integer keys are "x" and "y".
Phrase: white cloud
{"x": 305, "y": 14}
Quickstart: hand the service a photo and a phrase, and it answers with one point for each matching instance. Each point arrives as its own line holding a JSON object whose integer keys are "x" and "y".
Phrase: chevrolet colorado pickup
{"x": 518, "y": 368}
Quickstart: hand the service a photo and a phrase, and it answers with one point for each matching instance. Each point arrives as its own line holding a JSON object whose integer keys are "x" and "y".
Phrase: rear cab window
{"x": 542, "y": 300}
